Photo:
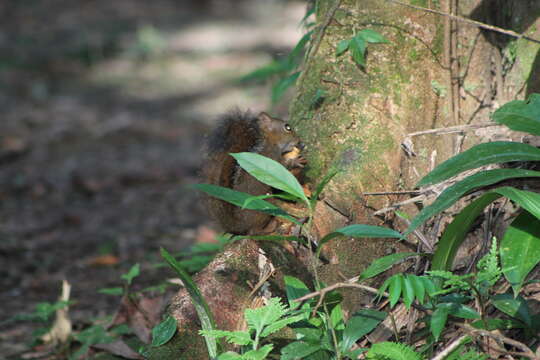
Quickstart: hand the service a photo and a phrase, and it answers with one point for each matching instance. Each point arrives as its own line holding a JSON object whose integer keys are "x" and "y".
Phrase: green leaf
{"x": 372, "y": 36}
{"x": 528, "y": 200}
{"x": 320, "y": 187}
{"x": 230, "y": 355}
{"x": 393, "y": 351}
{"x": 342, "y": 46}
{"x": 456, "y": 231}
{"x": 203, "y": 311}
{"x": 299, "y": 48}
{"x": 357, "y": 46}
{"x": 164, "y": 331}
{"x": 497, "y": 324}
{"x": 360, "y": 230}
{"x": 132, "y": 273}
{"x": 395, "y": 288}
{"x": 259, "y": 354}
{"x": 298, "y": 350}
{"x": 294, "y": 288}
{"x": 360, "y": 324}
{"x": 239, "y": 199}
{"x": 281, "y": 323}
{"x": 266, "y": 71}
{"x": 453, "y": 193}
{"x": 337, "y": 318}
{"x": 382, "y": 264}
{"x": 279, "y": 89}
{"x": 418, "y": 287}
{"x": 260, "y": 317}
{"x": 460, "y": 310}
{"x": 408, "y": 291}
{"x": 95, "y": 334}
{"x": 111, "y": 291}
{"x": 233, "y": 337}
{"x": 480, "y": 155}
{"x": 520, "y": 249}
{"x": 271, "y": 173}
{"x": 521, "y": 115}
{"x": 438, "y": 321}
{"x": 515, "y": 307}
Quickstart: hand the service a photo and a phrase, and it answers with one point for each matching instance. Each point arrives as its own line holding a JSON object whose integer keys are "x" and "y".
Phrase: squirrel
{"x": 245, "y": 132}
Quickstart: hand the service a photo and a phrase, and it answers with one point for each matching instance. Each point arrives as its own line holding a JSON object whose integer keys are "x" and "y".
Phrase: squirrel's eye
{"x": 287, "y": 127}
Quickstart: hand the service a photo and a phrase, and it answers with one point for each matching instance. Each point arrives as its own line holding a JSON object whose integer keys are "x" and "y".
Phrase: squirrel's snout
{"x": 301, "y": 145}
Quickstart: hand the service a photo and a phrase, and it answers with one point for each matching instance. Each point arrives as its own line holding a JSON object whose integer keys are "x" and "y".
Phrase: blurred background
{"x": 104, "y": 107}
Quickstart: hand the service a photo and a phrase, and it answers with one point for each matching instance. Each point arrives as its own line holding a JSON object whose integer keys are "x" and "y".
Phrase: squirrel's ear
{"x": 264, "y": 117}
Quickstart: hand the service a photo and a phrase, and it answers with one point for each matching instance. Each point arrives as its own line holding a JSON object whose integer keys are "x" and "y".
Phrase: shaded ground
{"x": 104, "y": 106}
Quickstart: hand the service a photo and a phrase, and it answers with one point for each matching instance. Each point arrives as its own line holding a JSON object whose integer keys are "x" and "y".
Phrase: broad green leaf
{"x": 266, "y": 71}
{"x": 230, "y": 355}
{"x": 456, "y": 231}
{"x": 299, "y": 48}
{"x": 298, "y": 350}
{"x": 132, "y": 273}
{"x": 164, "y": 331}
{"x": 320, "y": 187}
{"x": 520, "y": 249}
{"x": 438, "y": 321}
{"x": 418, "y": 287}
{"x": 460, "y": 310}
{"x": 408, "y": 291}
{"x": 112, "y": 291}
{"x": 395, "y": 289}
{"x": 372, "y": 36}
{"x": 361, "y": 231}
{"x": 342, "y": 46}
{"x": 360, "y": 324}
{"x": 480, "y": 155}
{"x": 453, "y": 193}
{"x": 95, "y": 334}
{"x": 233, "y": 337}
{"x": 337, "y": 318}
{"x": 382, "y": 264}
{"x": 271, "y": 173}
{"x": 357, "y": 46}
{"x": 528, "y": 200}
{"x": 203, "y": 311}
{"x": 308, "y": 334}
{"x": 279, "y": 89}
{"x": 520, "y": 115}
{"x": 294, "y": 288}
{"x": 259, "y": 354}
{"x": 497, "y": 324}
{"x": 239, "y": 199}
{"x": 515, "y": 307}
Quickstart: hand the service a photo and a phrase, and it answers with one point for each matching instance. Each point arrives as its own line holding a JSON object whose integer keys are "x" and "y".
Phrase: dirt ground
{"x": 104, "y": 106}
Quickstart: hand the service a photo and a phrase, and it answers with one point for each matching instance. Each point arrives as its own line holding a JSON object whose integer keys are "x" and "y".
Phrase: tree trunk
{"x": 435, "y": 72}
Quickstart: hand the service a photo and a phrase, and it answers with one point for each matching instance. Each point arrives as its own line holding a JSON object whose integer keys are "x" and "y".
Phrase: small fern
{"x": 489, "y": 271}
{"x": 392, "y": 351}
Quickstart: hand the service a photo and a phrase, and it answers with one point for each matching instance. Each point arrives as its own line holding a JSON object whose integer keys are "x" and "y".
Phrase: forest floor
{"x": 104, "y": 109}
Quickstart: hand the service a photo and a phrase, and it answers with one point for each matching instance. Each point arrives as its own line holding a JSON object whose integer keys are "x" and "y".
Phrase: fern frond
{"x": 258, "y": 318}
{"x": 393, "y": 351}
